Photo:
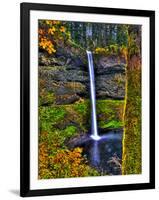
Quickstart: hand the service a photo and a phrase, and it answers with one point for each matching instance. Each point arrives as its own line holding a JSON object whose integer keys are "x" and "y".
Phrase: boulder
{"x": 66, "y": 99}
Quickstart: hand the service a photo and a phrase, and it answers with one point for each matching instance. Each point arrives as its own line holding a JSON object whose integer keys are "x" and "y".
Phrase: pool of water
{"x": 105, "y": 154}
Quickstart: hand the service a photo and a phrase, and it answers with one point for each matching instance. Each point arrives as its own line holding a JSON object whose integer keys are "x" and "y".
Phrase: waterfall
{"x": 94, "y": 128}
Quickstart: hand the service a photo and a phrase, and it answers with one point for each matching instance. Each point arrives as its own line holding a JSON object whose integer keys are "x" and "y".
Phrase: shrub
{"x": 70, "y": 131}
{"x": 67, "y": 164}
{"x": 50, "y": 116}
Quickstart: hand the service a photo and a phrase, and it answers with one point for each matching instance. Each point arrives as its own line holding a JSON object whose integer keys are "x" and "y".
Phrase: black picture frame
{"x": 25, "y": 9}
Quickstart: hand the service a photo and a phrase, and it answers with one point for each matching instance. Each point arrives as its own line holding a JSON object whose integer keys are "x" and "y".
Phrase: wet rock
{"x": 109, "y": 61}
{"x": 61, "y": 74}
{"x": 66, "y": 99}
{"x": 65, "y": 88}
{"x": 111, "y": 70}
{"x": 66, "y": 74}
{"x": 110, "y": 86}
{"x": 77, "y": 140}
{"x": 45, "y": 60}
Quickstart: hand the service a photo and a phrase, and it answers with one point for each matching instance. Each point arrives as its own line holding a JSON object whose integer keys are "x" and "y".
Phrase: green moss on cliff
{"x": 132, "y": 131}
{"x": 110, "y": 113}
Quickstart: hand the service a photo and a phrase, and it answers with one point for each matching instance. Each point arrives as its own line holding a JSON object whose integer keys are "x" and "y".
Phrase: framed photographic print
{"x": 87, "y": 99}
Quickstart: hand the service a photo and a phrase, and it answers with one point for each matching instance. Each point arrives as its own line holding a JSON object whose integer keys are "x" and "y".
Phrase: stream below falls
{"x": 105, "y": 154}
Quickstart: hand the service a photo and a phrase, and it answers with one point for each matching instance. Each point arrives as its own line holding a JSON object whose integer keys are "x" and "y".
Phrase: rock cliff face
{"x": 65, "y": 77}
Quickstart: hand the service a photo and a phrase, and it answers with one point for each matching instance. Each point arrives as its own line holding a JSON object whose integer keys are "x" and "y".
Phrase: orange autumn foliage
{"x": 64, "y": 164}
{"x": 51, "y": 32}
{"x": 43, "y": 160}
{"x": 68, "y": 163}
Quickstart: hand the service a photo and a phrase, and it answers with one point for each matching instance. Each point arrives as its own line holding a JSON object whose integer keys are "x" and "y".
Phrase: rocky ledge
{"x": 67, "y": 77}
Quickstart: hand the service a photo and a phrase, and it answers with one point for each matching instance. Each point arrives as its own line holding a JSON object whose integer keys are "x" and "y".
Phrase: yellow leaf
{"x": 62, "y": 29}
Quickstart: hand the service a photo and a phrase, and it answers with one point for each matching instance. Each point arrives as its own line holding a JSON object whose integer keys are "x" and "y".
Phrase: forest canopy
{"x": 86, "y": 35}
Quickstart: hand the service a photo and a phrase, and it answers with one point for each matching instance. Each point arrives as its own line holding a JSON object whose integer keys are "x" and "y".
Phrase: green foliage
{"x": 70, "y": 131}
{"x": 110, "y": 113}
{"x": 46, "y": 98}
{"x": 111, "y": 124}
{"x": 50, "y": 116}
{"x": 102, "y": 51}
{"x": 134, "y": 49}
{"x": 75, "y": 45}
{"x": 88, "y": 34}
{"x": 113, "y": 49}
{"x": 122, "y": 36}
{"x": 82, "y": 107}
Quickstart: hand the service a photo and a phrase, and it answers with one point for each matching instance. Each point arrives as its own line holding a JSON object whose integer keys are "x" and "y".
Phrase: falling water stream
{"x": 104, "y": 151}
{"x": 94, "y": 128}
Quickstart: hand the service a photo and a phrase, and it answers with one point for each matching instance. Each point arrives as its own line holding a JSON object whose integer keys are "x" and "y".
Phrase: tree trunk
{"x": 131, "y": 156}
